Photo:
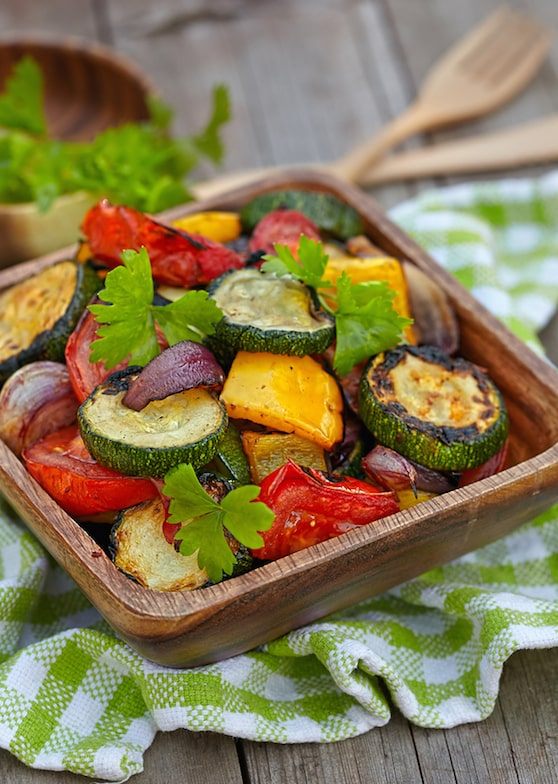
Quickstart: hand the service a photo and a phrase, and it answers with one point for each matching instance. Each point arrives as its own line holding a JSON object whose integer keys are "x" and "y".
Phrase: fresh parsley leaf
{"x": 309, "y": 268}
{"x": 191, "y": 317}
{"x": 128, "y": 322}
{"x": 365, "y": 321}
{"x": 208, "y": 142}
{"x": 139, "y": 164}
{"x": 21, "y": 106}
{"x": 206, "y": 520}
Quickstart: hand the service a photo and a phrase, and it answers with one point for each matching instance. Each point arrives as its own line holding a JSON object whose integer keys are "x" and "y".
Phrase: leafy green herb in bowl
{"x": 47, "y": 183}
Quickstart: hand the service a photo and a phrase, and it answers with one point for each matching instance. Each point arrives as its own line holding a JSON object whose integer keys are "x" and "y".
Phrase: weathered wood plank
{"x": 381, "y": 756}
{"x": 180, "y": 756}
{"x": 55, "y": 18}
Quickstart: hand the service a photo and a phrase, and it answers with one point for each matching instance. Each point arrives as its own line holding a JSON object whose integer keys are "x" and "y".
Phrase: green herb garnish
{"x": 137, "y": 164}
{"x": 128, "y": 323}
{"x": 239, "y": 513}
{"x": 365, "y": 321}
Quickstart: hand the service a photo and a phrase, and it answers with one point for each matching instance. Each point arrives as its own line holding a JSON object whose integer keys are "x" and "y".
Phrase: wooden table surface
{"x": 308, "y": 80}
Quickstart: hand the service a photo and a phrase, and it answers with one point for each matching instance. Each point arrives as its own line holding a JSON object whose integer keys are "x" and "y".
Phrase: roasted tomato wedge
{"x": 64, "y": 468}
{"x": 178, "y": 258}
{"x": 311, "y": 506}
{"x": 85, "y": 375}
{"x": 283, "y": 227}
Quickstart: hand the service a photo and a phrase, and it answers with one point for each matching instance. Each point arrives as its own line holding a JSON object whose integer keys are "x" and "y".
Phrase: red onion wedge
{"x": 435, "y": 322}
{"x": 396, "y": 472}
{"x": 35, "y": 401}
{"x": 185, "y": 365}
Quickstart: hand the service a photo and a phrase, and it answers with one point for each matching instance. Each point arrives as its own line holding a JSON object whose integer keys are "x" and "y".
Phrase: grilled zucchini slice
{"x": 38, "y": 314}
{"x": 441, "y": 412}
{"x": 139, "y": 548}
{"x": 183, "y": 428}
{"x": 264, "y": 313}
{"x": 330, "y": 215}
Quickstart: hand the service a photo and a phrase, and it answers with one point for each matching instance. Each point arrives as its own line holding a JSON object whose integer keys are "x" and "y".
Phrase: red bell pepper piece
{"x": 311, "y": 506}
{"x": 177, "y": 257}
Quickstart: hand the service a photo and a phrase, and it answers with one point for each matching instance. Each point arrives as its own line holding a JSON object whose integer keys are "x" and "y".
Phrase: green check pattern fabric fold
{"x": 74, "y": 697}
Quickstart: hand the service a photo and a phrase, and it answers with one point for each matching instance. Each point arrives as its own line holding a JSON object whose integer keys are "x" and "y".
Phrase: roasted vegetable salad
{"x": 235, "y": 387}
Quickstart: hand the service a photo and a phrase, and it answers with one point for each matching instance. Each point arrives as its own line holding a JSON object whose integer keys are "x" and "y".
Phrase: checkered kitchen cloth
{"x": 73, "y": 696}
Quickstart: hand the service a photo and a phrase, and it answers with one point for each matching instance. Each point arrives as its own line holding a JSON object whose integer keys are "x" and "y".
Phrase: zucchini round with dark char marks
{"x": 439, "y": 411}
{"x": 38, "y": 314}
{"x": 329, "y": 213}
{"x": 183, "y": 428}
{"x": 264, "y": 313}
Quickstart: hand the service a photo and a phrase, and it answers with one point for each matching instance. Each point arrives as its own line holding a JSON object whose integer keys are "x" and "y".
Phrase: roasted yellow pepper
{"x": 386, "y": 268}
{"x": 218, "y": 226}
{"x": 290, "y": 394}
{"x": 267, "y": 451}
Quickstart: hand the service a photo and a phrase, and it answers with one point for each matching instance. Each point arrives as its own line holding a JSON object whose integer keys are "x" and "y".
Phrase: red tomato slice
{"x": 493, "y": 465}
{"x": 85, "y": 375}
{"x": 64, "y": 468}
{"x": 282, "y": 227}
{"x": 311, "y": 506}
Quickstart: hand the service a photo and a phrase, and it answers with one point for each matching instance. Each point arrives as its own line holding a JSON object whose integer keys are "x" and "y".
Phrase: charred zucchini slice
{"x": 330, "y": 215}
{"x": 264, "y": 313}
{"x": 442, "y": 412}
{"x": 38, "y": 314}
{"x": 140, "y": 549}
{"x": 183, "y": 428}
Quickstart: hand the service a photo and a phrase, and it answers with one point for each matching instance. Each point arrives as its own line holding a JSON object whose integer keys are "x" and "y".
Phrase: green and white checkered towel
{"x": 73, "y": 696}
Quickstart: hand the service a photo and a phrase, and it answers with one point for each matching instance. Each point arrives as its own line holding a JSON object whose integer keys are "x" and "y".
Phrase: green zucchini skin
{"x": 264, "y": 313}
{"x": 49, "y": 344}
{"x": 330, "y": 215}
{"x": 230, "y": 460}
{"x": 435, "y": 444}
{"x": 140, "y": 443}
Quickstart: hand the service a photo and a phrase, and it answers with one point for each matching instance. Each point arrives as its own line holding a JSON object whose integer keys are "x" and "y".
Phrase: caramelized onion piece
{"x": 36, "y": 400}
{"x": 185, "y": 365}
{"x": 435, "y": 322}
{"x": 396, "y": 472}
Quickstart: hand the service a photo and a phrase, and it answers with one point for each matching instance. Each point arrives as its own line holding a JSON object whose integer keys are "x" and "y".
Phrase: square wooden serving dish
{"x": 185, "y": 629}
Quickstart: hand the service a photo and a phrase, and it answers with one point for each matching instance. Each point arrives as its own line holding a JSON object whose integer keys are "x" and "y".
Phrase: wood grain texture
{"x": 359, "y": 75}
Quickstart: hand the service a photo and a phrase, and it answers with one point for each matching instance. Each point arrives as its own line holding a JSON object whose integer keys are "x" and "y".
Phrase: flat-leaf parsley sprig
{"x": 206, "y": 520}
{"x": 365, "y": 320}
{"x": 128, "y": 322}
{"x": 140, "y": 164}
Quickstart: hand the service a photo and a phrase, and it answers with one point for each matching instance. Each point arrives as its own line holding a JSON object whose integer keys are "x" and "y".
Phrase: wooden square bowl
{"x": 184, "y": 629}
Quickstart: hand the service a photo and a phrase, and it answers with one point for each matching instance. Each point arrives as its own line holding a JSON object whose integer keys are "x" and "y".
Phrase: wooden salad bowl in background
{"x": 87, "y": 88}
{"x": 186, "y": 629}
